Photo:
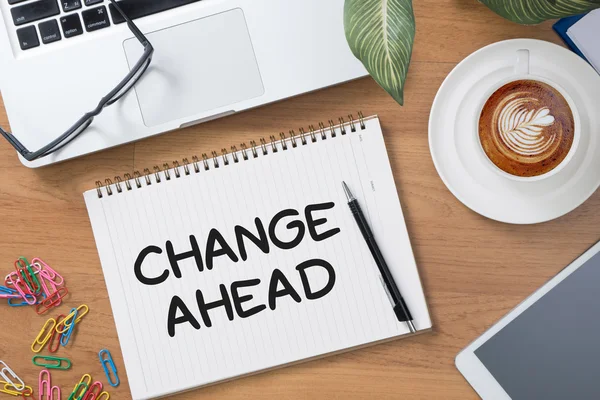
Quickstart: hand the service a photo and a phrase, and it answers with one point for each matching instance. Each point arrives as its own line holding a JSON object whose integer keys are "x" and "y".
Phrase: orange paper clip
{"x": 55, "y": 334}
{"x": 51, "y": 301}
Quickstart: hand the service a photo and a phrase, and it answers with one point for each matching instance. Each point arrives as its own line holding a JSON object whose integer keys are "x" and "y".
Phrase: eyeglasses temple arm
{"x": 138, "y": 34}
{"x": 14, "y": 142}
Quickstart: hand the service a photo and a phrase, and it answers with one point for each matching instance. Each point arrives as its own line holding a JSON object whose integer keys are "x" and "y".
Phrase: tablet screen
{"x": 552, "y": 350}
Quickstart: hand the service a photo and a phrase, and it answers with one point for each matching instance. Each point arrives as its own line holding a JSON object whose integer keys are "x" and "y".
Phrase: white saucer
{"x": 461, "y": 164}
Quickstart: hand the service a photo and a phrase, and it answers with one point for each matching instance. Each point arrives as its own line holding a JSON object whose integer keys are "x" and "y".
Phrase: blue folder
{"x": 561, "y": 27}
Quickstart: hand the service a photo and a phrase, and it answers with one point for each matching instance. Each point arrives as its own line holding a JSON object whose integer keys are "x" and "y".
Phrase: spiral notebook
{"x": 228, "y": 266}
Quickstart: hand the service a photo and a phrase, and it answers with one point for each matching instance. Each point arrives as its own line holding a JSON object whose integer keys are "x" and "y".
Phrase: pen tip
{"x": 347, "y": 191}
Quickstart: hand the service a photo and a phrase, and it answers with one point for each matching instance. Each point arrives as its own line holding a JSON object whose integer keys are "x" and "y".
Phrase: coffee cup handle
{"x": 522, "y": 64}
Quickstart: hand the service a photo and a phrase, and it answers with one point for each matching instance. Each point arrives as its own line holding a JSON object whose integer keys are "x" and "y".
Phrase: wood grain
{"x": 474, "y": 270}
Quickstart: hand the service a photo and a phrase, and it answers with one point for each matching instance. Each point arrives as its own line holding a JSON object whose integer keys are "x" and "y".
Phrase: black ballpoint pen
{"x": 398, "y": 304}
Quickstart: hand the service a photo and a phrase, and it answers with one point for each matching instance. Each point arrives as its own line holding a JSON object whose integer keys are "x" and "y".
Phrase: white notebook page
{"x": 354, "y": 312}
{"x": 584, "y": 34}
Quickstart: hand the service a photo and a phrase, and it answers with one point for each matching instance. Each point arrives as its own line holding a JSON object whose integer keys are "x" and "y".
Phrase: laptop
{"x": 212, "y": 58}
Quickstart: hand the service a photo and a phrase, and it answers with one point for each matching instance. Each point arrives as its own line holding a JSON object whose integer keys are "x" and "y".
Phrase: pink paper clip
{"x": 8, "y": 293}
{"x": 10, "y": 296}
{"x": 44, "y": 385}
{"x": 91, "y": 393}
{"x": 43, "y": 277}
{"x": 50, "y": 273}
{"x": 13, "y": 280}
{"x": 46, "y": 390}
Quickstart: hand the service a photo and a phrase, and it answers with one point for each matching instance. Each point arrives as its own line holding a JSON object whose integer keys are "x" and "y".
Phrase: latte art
{"x": 521, "y": 130}
{"x": 526, "y": 128}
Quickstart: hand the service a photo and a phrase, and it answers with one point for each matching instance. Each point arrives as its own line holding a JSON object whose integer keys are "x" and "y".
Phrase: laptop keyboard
{"x": 70, "y": 18}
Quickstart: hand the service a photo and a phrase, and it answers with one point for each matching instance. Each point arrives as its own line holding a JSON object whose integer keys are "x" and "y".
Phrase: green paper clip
{"x": 80, "y": 385}
{"x": 55, "y": 362}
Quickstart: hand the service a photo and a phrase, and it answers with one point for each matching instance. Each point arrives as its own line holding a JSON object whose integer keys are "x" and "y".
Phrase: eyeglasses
{"x": 113, "y": 96}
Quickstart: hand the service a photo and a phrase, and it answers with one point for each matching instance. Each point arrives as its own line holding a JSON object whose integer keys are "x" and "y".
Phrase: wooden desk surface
{"x": 474, "y": 270}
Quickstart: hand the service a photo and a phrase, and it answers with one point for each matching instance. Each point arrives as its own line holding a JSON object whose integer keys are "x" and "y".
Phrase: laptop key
{"x": 15, "y": 1}
{"x": 70, "y": 5}
{"x": 95, "y": 18}
{"x": 28, "y": 37}
{"x": 91, "y": 2}
{"x": 142, "y": 8}
{"x": 49, "y": 31}
{"x": 34, "y": 11}
{"x": 71, "y": 25}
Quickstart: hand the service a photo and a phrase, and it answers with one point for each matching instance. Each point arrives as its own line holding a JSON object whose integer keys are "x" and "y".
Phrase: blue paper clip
{"x": 22, "y": 303}
{"x": 7, "y": 290}
{"x": 109, "y": 361}
{"x": 65, "y": 337}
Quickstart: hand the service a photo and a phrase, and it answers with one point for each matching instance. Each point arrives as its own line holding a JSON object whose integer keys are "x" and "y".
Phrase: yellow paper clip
{"x": 82, "y": 310}
{"x": 86, "y": 378}
{"x": 105, "y": 394}
{"x": 10, "y": 389}
{"x": 47, "y": 329}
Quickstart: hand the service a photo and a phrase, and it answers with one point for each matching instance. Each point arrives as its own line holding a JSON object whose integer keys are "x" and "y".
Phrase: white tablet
{"x": 548, "y": 347}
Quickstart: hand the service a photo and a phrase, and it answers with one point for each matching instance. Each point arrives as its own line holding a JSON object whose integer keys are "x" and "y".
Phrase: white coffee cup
{"x": 521, "y": 72}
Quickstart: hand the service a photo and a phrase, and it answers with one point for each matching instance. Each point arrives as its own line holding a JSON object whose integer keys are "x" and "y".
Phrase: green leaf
{"x": 535, "y": 11}
{"x": 381, "y": 34}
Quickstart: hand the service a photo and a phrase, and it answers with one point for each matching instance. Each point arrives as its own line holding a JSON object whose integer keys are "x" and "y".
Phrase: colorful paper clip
{"x": 44, "y": 336}
{"x": 51, "y": 301}
{"x": 48, "y": 289}
{"x": 67, "y": 321}
{"x": 48, "y": 271}
{"x": 14, "y": 295}
{"x": 13, "y": 280}
{"x": 44, "y": 384}
{"x": 82, "y": 310}
{"x": 91, "y": 393}
{"x": 7, "y": 290}
{"x": 9, "y": 376}
{"x": 85, "y": 379}
{"x": 54, "y": 393}
{"x": 55, "y": 334}
{"x": 65, "y": 337}
{"x": 107, "y": 361}
{"x": 45, "y": 389}
{"x": 27, "y": 302}
{"x": 10, "y": 389}
{"x": 74, "y": 395}
{"x": 8, "y": 293}
{"x": 103, "y": 396}
{"x": 27, "y": 274}
{"x": 52, "y": 362}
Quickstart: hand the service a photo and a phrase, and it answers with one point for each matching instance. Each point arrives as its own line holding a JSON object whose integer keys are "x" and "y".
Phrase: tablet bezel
{"x": 469, "y": 364}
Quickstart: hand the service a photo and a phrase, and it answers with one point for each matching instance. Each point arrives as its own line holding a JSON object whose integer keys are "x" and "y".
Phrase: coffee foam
{"x": 522, "y": 130}
{"x": 526, "y": 128}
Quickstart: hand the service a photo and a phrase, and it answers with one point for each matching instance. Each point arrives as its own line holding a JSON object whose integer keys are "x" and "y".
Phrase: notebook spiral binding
{"x": 263, "y": 147}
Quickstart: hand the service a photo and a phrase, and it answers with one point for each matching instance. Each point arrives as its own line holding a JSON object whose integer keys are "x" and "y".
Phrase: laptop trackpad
{"x": 197, "y": 66}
